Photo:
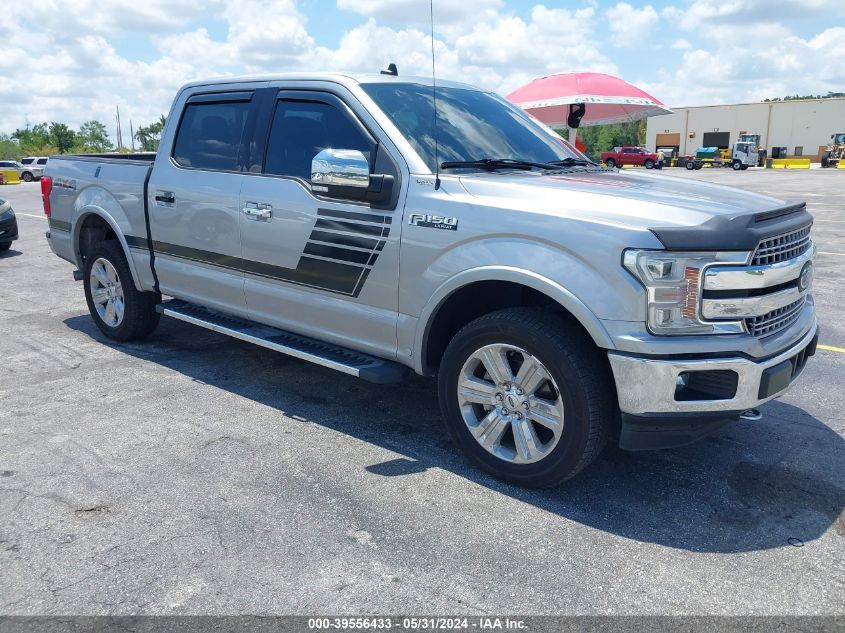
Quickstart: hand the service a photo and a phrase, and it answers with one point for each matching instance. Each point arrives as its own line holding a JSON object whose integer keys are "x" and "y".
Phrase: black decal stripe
{"x": 361, "y": 281}
{"x": 361, "y": 229}
{"x": 344, "y": 240}
{"x": 195, "y": 254}
{"x": 380, "y": 245}
{"x": 350, "y": 215}
{"x": 59, "y": 225}
{"x": 314, "y": 273}
{"x": 137, "y": 242}
{"x": 333, "y": 252}
{"x": 317, "y": 273}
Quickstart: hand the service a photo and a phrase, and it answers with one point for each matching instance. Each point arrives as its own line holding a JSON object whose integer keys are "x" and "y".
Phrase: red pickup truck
{"x": 629, "y": 156}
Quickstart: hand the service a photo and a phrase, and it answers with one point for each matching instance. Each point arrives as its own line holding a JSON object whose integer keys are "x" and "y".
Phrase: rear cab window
{"x": 210, "y": 134}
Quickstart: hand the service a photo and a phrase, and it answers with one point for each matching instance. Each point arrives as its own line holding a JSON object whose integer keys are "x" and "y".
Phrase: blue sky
{"x": 70, "y": 60}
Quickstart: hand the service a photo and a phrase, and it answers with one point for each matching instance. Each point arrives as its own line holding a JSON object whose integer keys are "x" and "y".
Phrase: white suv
{"x": 33, "y": 167}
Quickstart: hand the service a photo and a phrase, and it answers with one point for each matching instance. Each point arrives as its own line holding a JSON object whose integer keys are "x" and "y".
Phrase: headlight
{"x": 673, "y": 282}
{"x": 8, "y": 214}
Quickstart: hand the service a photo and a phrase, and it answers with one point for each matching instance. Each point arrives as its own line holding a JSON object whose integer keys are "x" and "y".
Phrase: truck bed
{"x": 111, "y": 186}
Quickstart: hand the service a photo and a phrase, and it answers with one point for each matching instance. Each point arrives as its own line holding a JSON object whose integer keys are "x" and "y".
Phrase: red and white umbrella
{"x": 608, "y": 99}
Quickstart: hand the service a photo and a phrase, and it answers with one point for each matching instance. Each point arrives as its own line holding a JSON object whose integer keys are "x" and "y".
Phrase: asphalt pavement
{"x": 196, "y": 474}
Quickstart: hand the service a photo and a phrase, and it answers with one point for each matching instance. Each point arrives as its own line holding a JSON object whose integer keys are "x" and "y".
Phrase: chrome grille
{"x": 774, "y": 321}
{"x": 779, "y": 248}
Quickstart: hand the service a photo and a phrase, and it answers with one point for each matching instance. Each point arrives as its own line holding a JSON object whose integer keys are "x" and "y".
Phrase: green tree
{"x": 10, "y": 149}
{"x": 149, "y": 136}
{"x": 32, "y": 139}
{"x": 62, "y": 137}
{"x": 93, "y": 137}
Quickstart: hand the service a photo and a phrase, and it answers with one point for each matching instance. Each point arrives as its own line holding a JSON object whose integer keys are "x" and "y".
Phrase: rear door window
{"x": 42, "y": 161}
{"x": 210, "y": 135}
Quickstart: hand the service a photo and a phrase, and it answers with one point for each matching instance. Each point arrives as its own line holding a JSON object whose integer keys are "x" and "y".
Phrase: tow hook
{"x": 751, "y": 415}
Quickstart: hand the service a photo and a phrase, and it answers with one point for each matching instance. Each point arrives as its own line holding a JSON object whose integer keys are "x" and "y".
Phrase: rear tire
{"x": 513, "y": 410}
{"x": 4, "y": 246}
{"x": 744, "y": 167}
{"x": 120, "y": 311}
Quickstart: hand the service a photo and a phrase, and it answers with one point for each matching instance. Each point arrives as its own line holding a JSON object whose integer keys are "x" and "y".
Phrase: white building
{"x": 803, "y": 127}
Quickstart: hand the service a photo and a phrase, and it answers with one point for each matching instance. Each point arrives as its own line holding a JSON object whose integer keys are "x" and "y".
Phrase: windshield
{"x": 471, "y": 125}
{"x": 839, "y": 139}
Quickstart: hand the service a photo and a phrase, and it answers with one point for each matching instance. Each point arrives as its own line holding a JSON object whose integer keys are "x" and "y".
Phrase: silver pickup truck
{"x": 560, "y": 304}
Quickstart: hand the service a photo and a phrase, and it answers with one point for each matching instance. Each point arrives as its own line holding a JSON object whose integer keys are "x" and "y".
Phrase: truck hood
{"x": 682, "y": 213}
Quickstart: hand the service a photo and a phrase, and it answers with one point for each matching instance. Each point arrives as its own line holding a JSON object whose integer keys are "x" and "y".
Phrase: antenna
{"x": 434, "y": 98}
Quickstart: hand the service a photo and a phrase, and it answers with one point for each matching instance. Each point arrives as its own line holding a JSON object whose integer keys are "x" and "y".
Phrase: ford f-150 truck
{"x": 629, "y": 156}
{"x": 559, "y": 303}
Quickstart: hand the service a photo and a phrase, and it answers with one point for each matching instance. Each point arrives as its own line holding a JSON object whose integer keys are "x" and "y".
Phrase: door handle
{"x": 165, "y": 198}
{"x": 258, "y": 211}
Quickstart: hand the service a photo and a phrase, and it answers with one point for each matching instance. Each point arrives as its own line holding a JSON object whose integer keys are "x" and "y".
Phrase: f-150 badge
{"x": 433, "y": 221}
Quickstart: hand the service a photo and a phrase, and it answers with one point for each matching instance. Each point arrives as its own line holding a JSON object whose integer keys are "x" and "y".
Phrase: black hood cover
{"x": 741, "y": 232}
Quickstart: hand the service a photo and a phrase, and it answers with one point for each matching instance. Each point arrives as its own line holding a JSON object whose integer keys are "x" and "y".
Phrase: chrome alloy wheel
{"x": 107, "y": 292}
{"x": 510, "y": 403}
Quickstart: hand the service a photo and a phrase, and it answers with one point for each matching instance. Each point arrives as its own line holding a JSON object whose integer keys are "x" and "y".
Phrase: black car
{"x": 8, "y": 225}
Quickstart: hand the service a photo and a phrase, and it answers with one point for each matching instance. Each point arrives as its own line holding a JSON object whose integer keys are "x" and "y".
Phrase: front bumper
{"x": 653, "y": 394}
{"x": 8, "y": 229}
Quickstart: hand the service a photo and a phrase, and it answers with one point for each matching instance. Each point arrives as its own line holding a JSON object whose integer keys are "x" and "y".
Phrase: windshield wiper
{"x": 496, "y": 163}
{"x": 566, "y": 162}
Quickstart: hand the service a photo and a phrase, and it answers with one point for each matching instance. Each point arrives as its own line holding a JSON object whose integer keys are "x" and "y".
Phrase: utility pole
{"x": 131, "y": 135}
{"x": 119, "y": 135}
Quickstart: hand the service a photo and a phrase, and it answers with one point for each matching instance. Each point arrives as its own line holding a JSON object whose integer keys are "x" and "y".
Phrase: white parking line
{"x": 29, "y": 215}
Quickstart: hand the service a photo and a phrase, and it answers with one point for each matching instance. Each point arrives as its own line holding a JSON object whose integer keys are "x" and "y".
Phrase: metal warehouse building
{"x": 803, "y": 127}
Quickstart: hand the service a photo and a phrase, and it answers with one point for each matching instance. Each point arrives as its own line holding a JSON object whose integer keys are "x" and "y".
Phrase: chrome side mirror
{"x": 340, "y": 168}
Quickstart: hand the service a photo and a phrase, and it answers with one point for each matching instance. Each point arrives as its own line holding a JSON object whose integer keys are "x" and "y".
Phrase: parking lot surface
{"x": 196, "y": 474}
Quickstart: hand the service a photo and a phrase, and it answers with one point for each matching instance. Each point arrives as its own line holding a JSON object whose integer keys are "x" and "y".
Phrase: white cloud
{"x": 418, "y": 11}
{"x": 630, "y": 26}
{"x": 72, "y": 66}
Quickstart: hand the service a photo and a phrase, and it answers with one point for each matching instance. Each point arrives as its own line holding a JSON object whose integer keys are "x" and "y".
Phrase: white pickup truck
{"x": 559, "y": 303}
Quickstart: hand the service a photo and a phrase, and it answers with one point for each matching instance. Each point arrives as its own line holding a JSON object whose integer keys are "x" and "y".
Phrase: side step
{"x": 363, "y": 366}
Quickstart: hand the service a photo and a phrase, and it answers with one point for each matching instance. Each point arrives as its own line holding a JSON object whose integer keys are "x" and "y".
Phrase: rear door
{"x": 322, "y": 267}
{"x": 193, "y": 202}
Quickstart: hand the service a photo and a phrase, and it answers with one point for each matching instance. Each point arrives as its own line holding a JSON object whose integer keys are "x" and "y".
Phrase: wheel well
{"x": 94, "y": 229}
{"x": 477, "y": 299}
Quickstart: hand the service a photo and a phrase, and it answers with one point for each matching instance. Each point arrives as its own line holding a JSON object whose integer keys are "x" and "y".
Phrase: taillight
{"x": 46, "y": 188}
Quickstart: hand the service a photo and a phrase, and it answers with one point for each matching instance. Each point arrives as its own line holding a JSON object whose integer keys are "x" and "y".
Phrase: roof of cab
{"x": 345, "y": 79}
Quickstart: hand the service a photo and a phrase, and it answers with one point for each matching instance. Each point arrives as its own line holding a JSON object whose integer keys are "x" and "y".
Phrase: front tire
{"x": 4, "y": 246}
{"x": 610, "y": 163}
{"x": 737, "y": 165}
{"x": 649, "y": 164}
{"x": 26, "y": 176}
{"x": 120, "y": 311}
{"x": 526, "y": 396}
{"x": 689, "y": 165}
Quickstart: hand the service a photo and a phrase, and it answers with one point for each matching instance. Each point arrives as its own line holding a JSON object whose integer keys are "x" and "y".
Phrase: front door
{"x": 319, "y": 267}
{"x": 193, "y": 201}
